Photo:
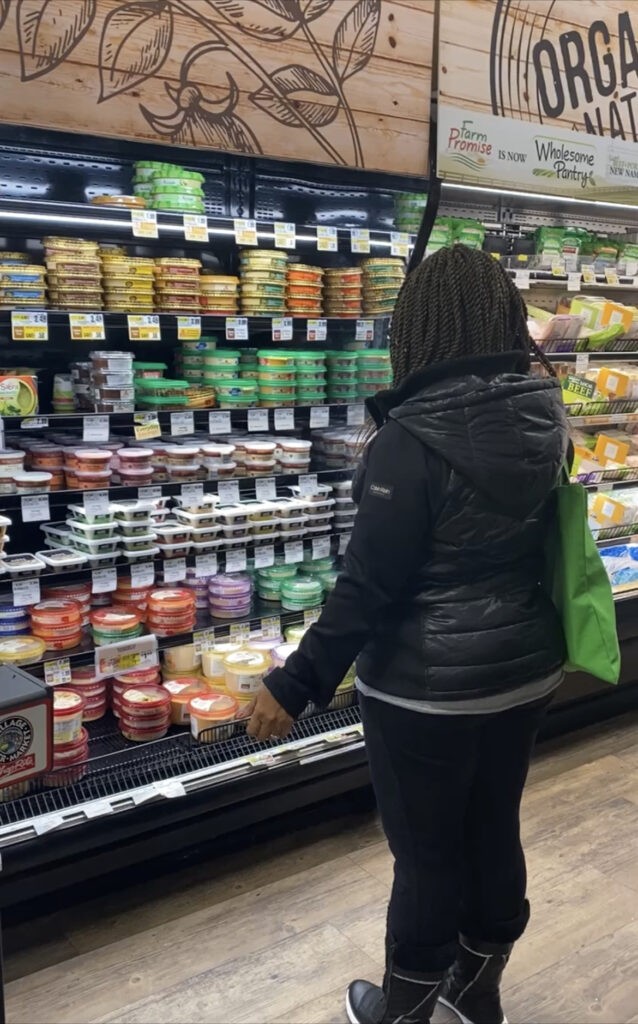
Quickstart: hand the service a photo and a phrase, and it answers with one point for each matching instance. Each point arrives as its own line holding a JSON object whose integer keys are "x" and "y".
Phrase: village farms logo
{"x": 564, "y": 161}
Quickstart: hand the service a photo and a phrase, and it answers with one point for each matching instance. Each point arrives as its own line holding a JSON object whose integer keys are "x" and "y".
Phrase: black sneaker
{"x": 409, "y": 998}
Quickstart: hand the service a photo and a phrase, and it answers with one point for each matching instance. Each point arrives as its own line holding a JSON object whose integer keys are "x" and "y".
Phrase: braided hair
{"x": 458, "y": 302}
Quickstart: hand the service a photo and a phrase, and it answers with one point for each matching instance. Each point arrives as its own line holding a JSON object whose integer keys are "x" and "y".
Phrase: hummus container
{"x": 171, "y": 531}
{"x": 132, "y": 510}
{"x": 20, "y": 650}
{"x": 181, "y": 692}
{"x": 32, "y": 483}
{"x": 244, "y": 672}
{"x": 136, "y": 527}
{"x": 79, "y": 513}
{"x": 92, "y": 531}
{"x": 212, "y": 716}
{"x": 85, "y": 480}
{"x": 213, "y": 659}
{"x": 68, "y": 707}
{"x": 11, "y": 462}
{"x": 99, "y": 561}
{"x": 61, "y": 559}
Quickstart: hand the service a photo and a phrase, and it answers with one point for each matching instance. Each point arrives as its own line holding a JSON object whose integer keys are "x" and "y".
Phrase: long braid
{"x": 458, "y": 302}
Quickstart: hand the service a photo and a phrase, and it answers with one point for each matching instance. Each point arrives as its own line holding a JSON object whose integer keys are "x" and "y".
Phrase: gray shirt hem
{"x": 475, "y": 705}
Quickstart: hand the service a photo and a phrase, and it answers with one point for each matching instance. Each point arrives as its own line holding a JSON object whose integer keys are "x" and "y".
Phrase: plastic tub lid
{"x": 67, "y": 703}
{"x": 146, "y": 698}
{"x": 56, "y": 612}
{"x": 18, "y": 648}
{"x": 112, "y": 620}
{"x": 247, "y": 661}
{"x": 214, "y": 707}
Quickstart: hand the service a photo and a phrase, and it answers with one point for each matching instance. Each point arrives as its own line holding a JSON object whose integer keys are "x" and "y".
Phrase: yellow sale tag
{"x": 29, "y": 326}
{"x": 146, "y": 426}
{"x": 144, "y": 223}
{"x": 87, "y": 326}
{"x": 195, "y": 228}
{"x": 143, "y": 328}
{"x": 189, "y": 328}
{"x": 245, "y": 231}
{"x": 327, "y": 239}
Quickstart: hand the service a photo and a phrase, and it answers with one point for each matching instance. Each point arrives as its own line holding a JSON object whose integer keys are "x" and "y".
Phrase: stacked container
{"x": 263, "y": 282}
{"x": 311, "y": 377}
{"x": 128, "y": 283}
{"x": 382, "y": 280}
{"x": 229, "y": 597}
{"x": 70, "y": 739}
{"x": 144, "y": 713}
{"x": 74, "y": 273}
{"x": 374, "y": 371}
{"x": 304, "y": 290}
{"x": 58, "y": 622}
{"x": 94, "y": 692}
{"x": 112, "y": 381}
{"x": 343, "y": 292}
{"x": 177, "y": 287}
{"x": 277, "y": 377}
{"x": 22, "y": 285}
{"x": 171, "y": 611}
{"x": 342, "y": 377}
{"x": 219, "y": 294}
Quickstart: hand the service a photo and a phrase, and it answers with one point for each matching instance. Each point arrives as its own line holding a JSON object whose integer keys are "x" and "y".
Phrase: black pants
{"x": 449, "y": 790}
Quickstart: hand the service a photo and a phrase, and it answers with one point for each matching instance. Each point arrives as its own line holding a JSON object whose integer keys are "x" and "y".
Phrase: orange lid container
{"x": 177, "y": 602}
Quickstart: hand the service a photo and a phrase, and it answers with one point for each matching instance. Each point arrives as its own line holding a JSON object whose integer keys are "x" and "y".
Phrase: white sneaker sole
{"x": 462, "y": 1018}
{"x": 350, "y": 1012}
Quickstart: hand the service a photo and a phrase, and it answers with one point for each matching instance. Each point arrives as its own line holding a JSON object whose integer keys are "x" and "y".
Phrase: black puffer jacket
{"x": 440, "y": 596}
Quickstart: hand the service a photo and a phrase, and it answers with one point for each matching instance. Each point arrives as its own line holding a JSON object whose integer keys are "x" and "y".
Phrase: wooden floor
{"x": 273, "y": 934}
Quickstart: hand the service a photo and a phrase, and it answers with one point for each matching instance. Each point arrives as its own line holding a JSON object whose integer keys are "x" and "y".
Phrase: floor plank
{"x": 272, "y": 934}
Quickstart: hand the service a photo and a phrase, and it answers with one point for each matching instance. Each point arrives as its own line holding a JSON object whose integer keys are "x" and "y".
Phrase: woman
{"x": 459, "y": 647}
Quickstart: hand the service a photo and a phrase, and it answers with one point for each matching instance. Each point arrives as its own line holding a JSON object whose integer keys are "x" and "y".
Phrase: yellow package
{"x": 609, "y": 449}
{"x": 607, "y": 511}
{"x": 616, "y": 313}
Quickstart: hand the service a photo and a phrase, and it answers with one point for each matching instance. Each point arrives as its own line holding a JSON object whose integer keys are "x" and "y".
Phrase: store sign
{"x": 345, "y": 83}
{"x": 547, "y": 103}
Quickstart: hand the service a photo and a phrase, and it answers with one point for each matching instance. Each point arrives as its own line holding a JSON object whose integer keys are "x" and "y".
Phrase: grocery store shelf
{"x": 28, "y": 216}
{"x": 622, "y": 354}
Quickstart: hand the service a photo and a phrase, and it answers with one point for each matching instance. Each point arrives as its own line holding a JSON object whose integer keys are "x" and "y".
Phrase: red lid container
{"x": 56, "y": 612}
{"x": 145, "y": 702}
{"x": 112, "y": 620}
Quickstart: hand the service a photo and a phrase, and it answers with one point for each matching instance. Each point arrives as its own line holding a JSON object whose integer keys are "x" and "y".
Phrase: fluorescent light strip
{"x": 541, "y": 195}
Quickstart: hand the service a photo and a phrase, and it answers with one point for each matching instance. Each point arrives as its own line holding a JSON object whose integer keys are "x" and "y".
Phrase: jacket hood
{"x": 499, "y": 427}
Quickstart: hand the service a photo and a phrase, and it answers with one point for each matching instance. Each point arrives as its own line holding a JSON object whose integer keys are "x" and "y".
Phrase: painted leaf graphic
{"x": 355, "y": 38}
{"x": 135, "y": 42}
{"x": 48, "y": 30}
{"x": 312, "y": 9}
{"x": 307, "y": 92}
{"x": 4, "y": 10}
{"x": 273, "y": 20}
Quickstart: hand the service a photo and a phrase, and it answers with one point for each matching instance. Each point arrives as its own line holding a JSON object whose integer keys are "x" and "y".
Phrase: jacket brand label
{"x": 381, "y": 491}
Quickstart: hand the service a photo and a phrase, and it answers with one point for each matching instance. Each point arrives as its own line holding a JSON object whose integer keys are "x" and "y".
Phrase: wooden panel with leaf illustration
{"x": 345, "y": 82}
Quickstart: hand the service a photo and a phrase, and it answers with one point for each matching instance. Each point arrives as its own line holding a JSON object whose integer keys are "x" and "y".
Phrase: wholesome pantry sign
{"x": 540, "y": 96}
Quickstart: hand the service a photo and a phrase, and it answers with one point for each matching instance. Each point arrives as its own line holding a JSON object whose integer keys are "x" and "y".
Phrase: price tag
{"x": 582, "y": 362}
{"x": 97, "y": 809}
{"x": 25, "y": 592}
{"x": 257, "y": 420}
{"x": 399, "y": 243}
{"x": 195, "y": 228}
{"x": 47, "y": 824}
{"x": 265, "y": 488}
{"x": 321, "y": 547}
{"x": 245, "y": 231}
{"x": 35, "y": 423}
{"x": 281, "y": 328}
{"x": 364, "y": 331}
{"x": 558, "y": 266}
{"x": 285, "y": 235}
{"x": 96, "y": 503}
{"x": 271, "y": 626}
{"x": 35, "y": 508}
{"x": 174, "y": 570}
{"x": 205, "y": 565}
{"x": 87, "y": 326}
{"x": 127, "y": 656}
{"x": 631, "y": 268}
{"x": 144, "y": 224}
{"x": 284, "y": 419}
{"x": 219, "y": 422}
{"x": 344, "y": 540}
{"x": 192, "y": 494}
{"x": 522, "y": 279}
{"x": 589, "y": 275}
{"x": 319, "y": 416}
{"x": 104, "y": 581}
{"x": 143, "y": 328}
{"x": 95, "y": 428}
{"x": 239, "y": 631}
{"x": 142, "y": 574}
{"x": 359, "y": 240}
{"x": 204, "y": 640}
{"x": 169, "y": 788}
{"x": 228, "y": 492}
{"x": 355, "y": 416}
{"x": 293, "y": 551}
{"x": 316, "y": 330}
{"x": 311, "y": 616}
{"x": 611, "y": 276}
{"x": 149, "y": 493}
{"x": 146, "y": 426}
{"x": 573, "y": 281}
{"x": 182, "y": 423}
{"x": 308, "y": 485}
{"x": 29, "y": 326}
{"x": 189, "y": 328}
{"x": 58, "y": 672}
{"x": 327, "y": 239}
{"x": 236, "y": 560}
{"x": 264, "y": 556}
{"x": 236, "y": 328}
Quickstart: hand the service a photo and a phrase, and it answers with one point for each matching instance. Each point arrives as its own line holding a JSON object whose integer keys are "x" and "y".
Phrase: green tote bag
{"x": 580, "y": 587}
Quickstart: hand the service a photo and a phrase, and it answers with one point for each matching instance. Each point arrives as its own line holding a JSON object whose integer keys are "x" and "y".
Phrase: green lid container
{"x": 160, "y": 401}
{"x": 219, "y": 377}
{"x": 236, "y": 388}
{"x": 152, "y": 384}
{"x": 222, "y": 357}
{"x": 310, "y": 379}
{"x": 148, "y": 366}
{"x": 277, "y": 572}
{"x": 310, "y": 360}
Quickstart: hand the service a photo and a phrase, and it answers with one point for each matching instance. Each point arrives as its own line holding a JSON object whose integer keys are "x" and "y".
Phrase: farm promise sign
{"x": 542, "y": 97}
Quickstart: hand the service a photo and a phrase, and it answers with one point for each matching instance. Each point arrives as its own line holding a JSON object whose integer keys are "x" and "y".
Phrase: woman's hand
{"x": 268, "y": 720}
